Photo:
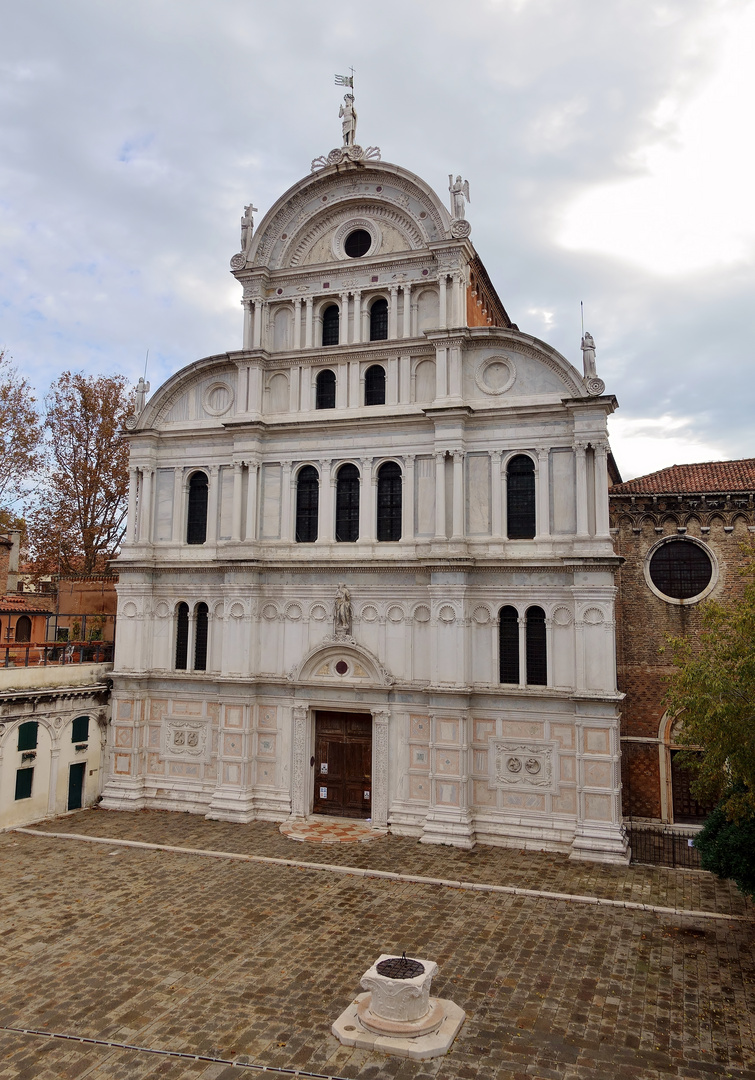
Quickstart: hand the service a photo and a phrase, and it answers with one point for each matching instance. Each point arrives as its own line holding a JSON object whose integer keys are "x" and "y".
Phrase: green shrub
{"x": 727, "y": 849}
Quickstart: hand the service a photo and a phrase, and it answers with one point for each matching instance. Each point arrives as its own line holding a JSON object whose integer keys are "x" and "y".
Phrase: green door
{"x": 76, "y": 785}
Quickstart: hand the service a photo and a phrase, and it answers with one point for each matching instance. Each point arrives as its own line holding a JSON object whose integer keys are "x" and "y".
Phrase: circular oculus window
{"x": 681, "y": 570}
{"x": 356, "y": 238}
{"x": 495, "y": 375}
{"x": 357, "y": 243}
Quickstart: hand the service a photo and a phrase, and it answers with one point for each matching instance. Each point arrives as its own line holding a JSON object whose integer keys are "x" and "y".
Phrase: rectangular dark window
{"x": 80, "y": 730}
{"x": 508, "y": 643}
{"x": 23, "y": 783}
{"x": 537, "y": 666}
{"x": 27, "y": 735}
{"x": 347, "y": 504}
{"x": 200, "y": 639}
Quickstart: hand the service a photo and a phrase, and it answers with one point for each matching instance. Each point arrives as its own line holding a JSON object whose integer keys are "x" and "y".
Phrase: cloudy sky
{"x": 608, "y": 145}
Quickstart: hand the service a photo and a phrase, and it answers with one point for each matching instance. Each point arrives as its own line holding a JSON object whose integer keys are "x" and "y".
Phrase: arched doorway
{"x": 343, "y": 764}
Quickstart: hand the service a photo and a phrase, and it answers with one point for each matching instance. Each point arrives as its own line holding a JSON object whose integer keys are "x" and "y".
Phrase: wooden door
{"x": 76, "y": 785}
{"x": 343, "y": 764}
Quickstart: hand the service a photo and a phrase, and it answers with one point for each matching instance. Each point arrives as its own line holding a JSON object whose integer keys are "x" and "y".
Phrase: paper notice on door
{"x": 324, "y": 768}
{"x": 323, "y": 793}
{"x": 366, "y": 794}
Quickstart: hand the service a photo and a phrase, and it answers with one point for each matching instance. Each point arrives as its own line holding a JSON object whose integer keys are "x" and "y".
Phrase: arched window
{"x": 325, "y": 390}
{"x": 307, "y": 504}
{"x": 508, "y": 645}
{"x": 520, "y": 498}
{"x": 200, "y": 637}
{"x": 347, "y": 504}
{"x": 389, "y": 502}
{"x": 374, "y": 385}
{"x": 379, "y": 320}
{"x": 182, "y": 637}
{"x": 27, "y": 735}
{"x": 537, "y": 666}
{"x": 330, "y": 320}
{"x": 196, "y": 528}
{"x": 23, "y": 628}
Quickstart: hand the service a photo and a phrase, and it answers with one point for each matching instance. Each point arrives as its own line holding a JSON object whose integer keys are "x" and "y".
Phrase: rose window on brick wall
{"x": 681, "y": 569}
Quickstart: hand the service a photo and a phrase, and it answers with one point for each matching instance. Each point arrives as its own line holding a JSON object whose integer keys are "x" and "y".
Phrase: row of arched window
{"x": 520, "y": 502}
{"x": 374, "y": 387}
{"x": 331, "y": 319}
{"x": 201, "y": 626}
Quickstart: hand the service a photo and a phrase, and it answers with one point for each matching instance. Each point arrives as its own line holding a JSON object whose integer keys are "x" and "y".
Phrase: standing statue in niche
{"x": 459, "y": 193}
{"x": 247, "y": 228}
{"x": 588, "y": 356}
{"x": 142, "y": 389}
{"x": 348, "y": 115}
{"x": 342, "y": 612}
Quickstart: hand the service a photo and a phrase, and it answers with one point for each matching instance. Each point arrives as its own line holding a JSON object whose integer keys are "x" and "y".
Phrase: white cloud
{"x": 643, "y": 445}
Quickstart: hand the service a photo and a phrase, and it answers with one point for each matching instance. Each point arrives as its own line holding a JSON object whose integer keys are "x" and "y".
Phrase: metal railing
{"x": 663, "y": 845}
{"x": 33, "y": 654}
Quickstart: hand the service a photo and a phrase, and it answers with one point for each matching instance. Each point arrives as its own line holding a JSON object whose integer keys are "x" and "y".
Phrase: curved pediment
{"x": 339, "y": 661}
{"x": 205, "y": 392}
{"x": 384, "y": 193}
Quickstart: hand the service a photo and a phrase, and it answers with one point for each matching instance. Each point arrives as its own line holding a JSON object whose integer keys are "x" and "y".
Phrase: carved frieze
{"x": 522, "y": 765}
{"x": 184, "y": 740}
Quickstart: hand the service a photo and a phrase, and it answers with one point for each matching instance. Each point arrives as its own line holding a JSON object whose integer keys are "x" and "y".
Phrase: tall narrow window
{"x": 508, "y": 645}
{"x": 80, "y": 729}
{"x": 379, "y": 321}
{"x": 325, "y": 390}
{"x": 520, "y": 498}
{"x": 347, "y": 504}
{"x": 200, "y": 637}
{"x": 330, "y": 321}
{"x": 23, "y": 628}
{"x": 374, "y": 385}
{"x": 182, "y": 637}
{"x": 196, "y": 529}
{"x": 27, "y": 735}
{"x": 307, "y": 504}
{"x": 24, "y": 779}
{"x": 389, "y": 502}
{"x": 537, "y": 666}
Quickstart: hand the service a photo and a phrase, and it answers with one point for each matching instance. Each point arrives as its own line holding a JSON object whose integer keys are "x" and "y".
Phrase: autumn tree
{"x": 20, "y": 436}
{"x": 78, "y": 518}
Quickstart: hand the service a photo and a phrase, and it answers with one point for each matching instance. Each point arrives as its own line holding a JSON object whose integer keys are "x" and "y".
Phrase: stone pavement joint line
{"x": 281, "y": 1070}
{"x": 415, "y": 879}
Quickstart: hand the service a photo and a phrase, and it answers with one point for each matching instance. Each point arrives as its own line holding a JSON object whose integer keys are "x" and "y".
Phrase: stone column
{"x": 601, "y": 489}
{"x": 454, "y": 371}
{"x": 407, "y": 327}
{"x": 458, "y": 289}
{"x": 496, "y": 509}
{"x": 286, "y": 500}
{"x": 407, "y": 499}
{"x": 257, "y": 332}
{"x": 302, "y": 771}
{"x": 442, "y": 302}
{"x": 549, "y": 652}
{"x": 393, "y": 314}
{"x": 308, "y": 323}
{"x": 247, "y": 304}
{"x": 357, "y": 328}
{"x": 251, "y": 500}
{"x": 367, "y": 501}
{"x": 543, "y": 518}
{"x": 458, "y": 507}
{"x": 354, "y": 384}
{"x": 440, "y": 496}
{"x": 178, "y": 506}
{"x": 212, "y": 506}
{"x": 391, "y": 396}
{"x": 326, "y": 523}
{"x": 404, "y": 379}
{"x": 580, "y": 449}
{"x": 145, "y": 510}
{"x": 441, "y": 372}
{"x": 343, "y": 320}
{"x": 133, "y": 486}
{"x": 380, "y": 763}
{"x": 505, "y": 501}
{"x": 294, "y": 393}
{"x": 342, "y": 385}
{"x": 236, "y": 515}
{"x": 297, "y": 323}
{"x": 579, "y": 650}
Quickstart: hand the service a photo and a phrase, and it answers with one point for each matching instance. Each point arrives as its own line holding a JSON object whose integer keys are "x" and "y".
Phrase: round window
{"x": 357, "y": 243}
{"x": 680, "y": 569}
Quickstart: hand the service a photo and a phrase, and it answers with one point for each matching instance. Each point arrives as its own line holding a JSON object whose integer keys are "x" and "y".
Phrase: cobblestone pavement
{"x": 248, "y": 962}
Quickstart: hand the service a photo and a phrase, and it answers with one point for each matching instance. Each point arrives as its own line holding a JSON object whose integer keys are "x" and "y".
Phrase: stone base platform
{"x": 330, "y": 830}
{"x": 348, "y": 1030}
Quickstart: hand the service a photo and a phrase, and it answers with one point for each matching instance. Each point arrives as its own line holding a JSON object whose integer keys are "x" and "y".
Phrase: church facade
{"x": 368, "y": 569}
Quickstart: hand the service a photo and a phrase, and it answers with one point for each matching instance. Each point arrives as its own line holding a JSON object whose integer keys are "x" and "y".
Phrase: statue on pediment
{"x": 342, "y": 612}
{"x": 348, "y": 115}
{"x": 459, "y": 195}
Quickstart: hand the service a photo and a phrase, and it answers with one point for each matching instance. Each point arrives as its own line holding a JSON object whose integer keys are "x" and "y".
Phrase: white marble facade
{"x": 458, "y": 757}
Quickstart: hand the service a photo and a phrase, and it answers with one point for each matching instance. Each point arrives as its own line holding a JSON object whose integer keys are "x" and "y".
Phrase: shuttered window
{"x": 196, "y": 529}
{"x": 389, "y": 502}
{"x": 27, "y": 735}
{"x": 508, "y": 645}
{"x": 347, "y": 504}
{"x": 379, "y": 320}
{"x": 24, "y": 779}
{"x": 374, "y": 385}
{"x": 330, "y": 321}
{"x": 325, "y": 390}
{"x": 80, "y": 729}
{"x": 200, "y": 637}
{"x": 182, "y": 637}
{"x": 520, "y": 498}
{"x": 537, "y": 667}
{"x": 307, "y": 504}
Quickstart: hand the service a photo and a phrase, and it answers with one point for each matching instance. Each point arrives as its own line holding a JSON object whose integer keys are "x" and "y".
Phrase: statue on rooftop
{"x": 348, "y": 115}
{"x": 588, "y": 356}
{"x": 459, "y": 193}
{"x": 142, "y": 389}
{"x": 247, "y": 228}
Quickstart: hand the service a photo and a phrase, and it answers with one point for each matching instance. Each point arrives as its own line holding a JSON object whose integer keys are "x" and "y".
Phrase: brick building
{"x": 681, "y": 532}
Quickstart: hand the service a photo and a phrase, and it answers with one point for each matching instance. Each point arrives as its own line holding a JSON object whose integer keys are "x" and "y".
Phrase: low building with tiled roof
{"x": 680, "y": 532}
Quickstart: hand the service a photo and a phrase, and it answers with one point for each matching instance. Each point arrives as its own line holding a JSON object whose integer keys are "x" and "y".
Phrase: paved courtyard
{"x": 250, "y": 962}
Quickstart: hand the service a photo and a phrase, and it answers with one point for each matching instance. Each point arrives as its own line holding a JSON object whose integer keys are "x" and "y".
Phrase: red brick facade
{"x": 710, "y": 502}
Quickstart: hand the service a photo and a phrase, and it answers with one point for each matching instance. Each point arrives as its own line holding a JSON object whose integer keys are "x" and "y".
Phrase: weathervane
{"x": 350, "y": 152}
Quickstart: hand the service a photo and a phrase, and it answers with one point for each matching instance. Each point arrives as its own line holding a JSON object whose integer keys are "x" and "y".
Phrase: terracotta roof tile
{"x": 12, "y": 602}
{"x": 704, "y": 476}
